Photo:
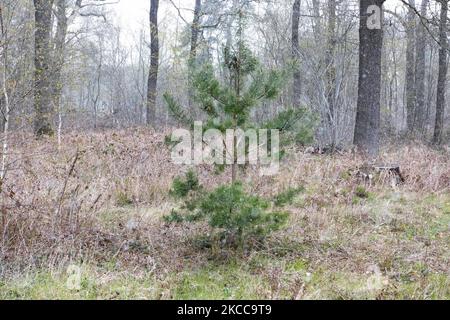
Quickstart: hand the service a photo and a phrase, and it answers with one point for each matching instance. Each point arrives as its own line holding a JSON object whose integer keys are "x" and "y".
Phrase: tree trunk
{"x": 442, "y": 78}
{"x": 154, "y": 63}
{"x": 421, "y": 46}
{"x": 410, "y": 61}
{"x": 297, "y": 86}
{"x": 317, "y": 27}
{"x": 58, "y": 56}
{"x": 42, "y": 84}
{"x": 367, "y": 129}
{"x": 195, "y": 30}
{"x": 331, "y": 69}
{"x": 7, "y": 110}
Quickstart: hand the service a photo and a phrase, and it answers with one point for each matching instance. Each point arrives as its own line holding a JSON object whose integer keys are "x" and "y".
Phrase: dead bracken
{"x": 333, "y": 238}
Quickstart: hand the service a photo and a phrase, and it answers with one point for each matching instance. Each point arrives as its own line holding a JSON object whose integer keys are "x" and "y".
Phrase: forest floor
{"x": 97, "y": 202}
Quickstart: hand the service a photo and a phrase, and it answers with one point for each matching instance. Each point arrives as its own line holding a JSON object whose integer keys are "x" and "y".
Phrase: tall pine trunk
{"x": 442, "y": 78}
{"x": 42, "y": 76}
{"x": 154, "y": 63}
{"x": 367, "y": 129}
{"x": 297, "y": 86}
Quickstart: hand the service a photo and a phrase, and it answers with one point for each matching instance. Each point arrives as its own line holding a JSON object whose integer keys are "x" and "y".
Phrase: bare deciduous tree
{"x": 154, "y": 62}
{"x": 421, "y": 46}
{"x": 410, "y": 61}
{"x": 442, "y": 79}
{"x": 297, "y": 86}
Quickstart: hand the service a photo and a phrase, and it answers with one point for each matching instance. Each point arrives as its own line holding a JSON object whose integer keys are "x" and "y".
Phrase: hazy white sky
{"x": 133, "y": 14}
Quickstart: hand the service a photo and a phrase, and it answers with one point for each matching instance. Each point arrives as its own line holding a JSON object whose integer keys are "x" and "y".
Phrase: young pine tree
{"x": 228, "y": 104}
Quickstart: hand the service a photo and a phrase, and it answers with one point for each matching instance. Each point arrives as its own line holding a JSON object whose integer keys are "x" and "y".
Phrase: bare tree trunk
{"x": 331, "y": 69}
{"x": 421, "y": 46}
{"x": 316, "y": 20}
{"x": 367, "y": 129}
{"x": 195, "y": 30}
{"x": 96, "y": 98}
{"x": 297, "y": 86}
{"x": 7, "y": 110}
{"x": 410, "y": 61}
{"x": 58, "y": 53}
{"x": 154, "y": 63}
{"x": 42, "y": 85}
{"x": 442, "y": 78}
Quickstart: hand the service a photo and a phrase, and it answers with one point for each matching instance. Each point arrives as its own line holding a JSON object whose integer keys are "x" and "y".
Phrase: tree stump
{"x": 392, "y": 170}
{"x": 369, "y": 173}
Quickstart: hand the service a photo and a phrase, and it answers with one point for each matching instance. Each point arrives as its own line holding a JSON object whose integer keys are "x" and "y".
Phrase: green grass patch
{"x": 287, "y": 197}
{"x": 220, "y": 282}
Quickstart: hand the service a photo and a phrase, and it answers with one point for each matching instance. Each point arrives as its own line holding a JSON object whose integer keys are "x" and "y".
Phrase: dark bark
{"x": 195, "y": 31}
{"x": 410, "y": 72}
{"x": 297, "y": 86}
{"x": 154, "y": 63}
{"x": 42, "y": 83}
{"x": 331, "y": 68}
{"x": 367, "y": 129}
{"x": 421, "y": 46}
{"x": 442, "y": 78}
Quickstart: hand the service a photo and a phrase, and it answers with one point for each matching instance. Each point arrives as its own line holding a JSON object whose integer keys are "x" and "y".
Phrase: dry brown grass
{"x": 110, "y": 208}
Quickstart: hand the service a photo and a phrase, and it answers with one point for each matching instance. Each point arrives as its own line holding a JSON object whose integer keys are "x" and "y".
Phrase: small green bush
{"x": 228, "y": 209}
{"x": 361, "y": 192}
{"x": 287, "y": 197}
{"x": 182, "y": 186}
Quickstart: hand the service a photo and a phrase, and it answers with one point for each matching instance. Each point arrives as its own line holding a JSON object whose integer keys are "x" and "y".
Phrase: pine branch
{"x": 177, "y": 111}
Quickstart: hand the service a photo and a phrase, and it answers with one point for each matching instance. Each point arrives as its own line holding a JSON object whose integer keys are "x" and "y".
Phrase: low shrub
{"x": 287, "y": 197}
{"x": 228, "y": 210}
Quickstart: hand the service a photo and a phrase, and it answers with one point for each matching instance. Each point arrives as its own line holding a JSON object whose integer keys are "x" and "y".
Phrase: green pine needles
{"x": 228, "y": 104}
{"x": 228, "y": 210}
